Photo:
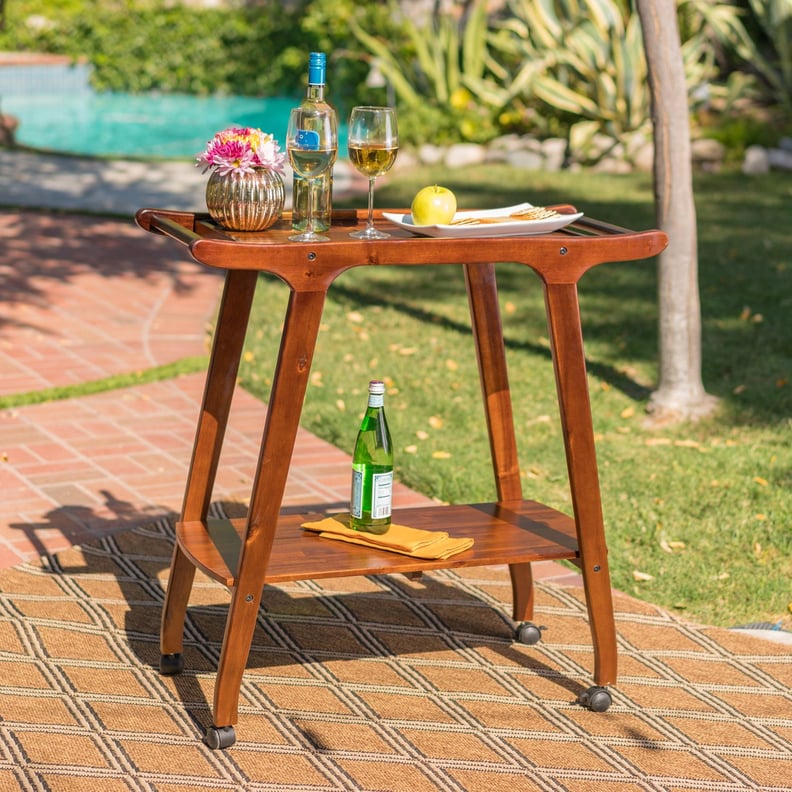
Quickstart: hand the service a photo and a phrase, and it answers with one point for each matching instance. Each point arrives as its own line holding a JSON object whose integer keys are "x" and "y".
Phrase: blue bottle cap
{"x": 317, "y": 66}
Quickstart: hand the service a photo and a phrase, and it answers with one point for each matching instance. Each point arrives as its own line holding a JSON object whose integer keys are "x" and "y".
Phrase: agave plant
{"x": 775, "y": 19}
{"x": 443, "y": 67}
{"x": 570, "y": 66}
{"x": 583, "y": 58}
{"x": 707, "y": 29}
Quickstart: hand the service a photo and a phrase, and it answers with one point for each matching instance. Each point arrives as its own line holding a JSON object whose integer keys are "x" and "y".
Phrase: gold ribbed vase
{"x": 245, "y": 201}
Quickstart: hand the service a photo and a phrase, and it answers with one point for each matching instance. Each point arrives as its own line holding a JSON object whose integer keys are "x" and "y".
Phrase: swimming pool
{"x": 59, "y": 111}
{"x": 139, "y": 125}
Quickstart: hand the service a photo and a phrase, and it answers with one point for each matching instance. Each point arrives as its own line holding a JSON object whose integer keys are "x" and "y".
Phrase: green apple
{"x": 433, "y": 205}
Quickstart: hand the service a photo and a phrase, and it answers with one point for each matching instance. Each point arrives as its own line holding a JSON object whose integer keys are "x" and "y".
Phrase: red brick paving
{"x": 83, "y": 298}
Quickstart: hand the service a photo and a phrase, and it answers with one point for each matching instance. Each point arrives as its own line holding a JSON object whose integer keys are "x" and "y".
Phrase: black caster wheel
{"x": 218, "y": 737}
{"x": 596, "y": 698}
{"x": 528, "y": 633}
{"x": 171, "y": 664}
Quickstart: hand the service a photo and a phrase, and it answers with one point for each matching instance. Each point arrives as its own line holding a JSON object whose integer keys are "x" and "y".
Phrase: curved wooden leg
{"x": 482, "y": 290}
{"x": 487, "y": 328}
{"x": 240, "y": 625}
{"x": 301, "y": 327}
{"x": 599, "y": 602}
{"x": 177, "y": 595}
{"x": 240, "y": 287}
{"x": 522, "y": 592}
{"x": 218, "y": 392}
{"x": 563, "y": 318}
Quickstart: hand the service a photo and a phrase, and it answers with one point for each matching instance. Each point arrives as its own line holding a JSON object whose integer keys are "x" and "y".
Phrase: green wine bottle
{"x": 372, "y": 467}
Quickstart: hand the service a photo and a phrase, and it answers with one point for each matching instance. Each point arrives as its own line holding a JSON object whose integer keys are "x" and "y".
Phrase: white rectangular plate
{"x": 505, "y": 228}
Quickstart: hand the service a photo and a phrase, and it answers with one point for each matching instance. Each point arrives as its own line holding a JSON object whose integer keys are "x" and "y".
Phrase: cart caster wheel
{"x": 171, "y": 664}
{"x": 596, "y": 698}
{"x": 528, "y": 633}
{"x": 218, "y": 737}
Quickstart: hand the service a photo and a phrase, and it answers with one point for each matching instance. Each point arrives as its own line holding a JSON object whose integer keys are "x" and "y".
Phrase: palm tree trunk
{"x": 680, "y": 393}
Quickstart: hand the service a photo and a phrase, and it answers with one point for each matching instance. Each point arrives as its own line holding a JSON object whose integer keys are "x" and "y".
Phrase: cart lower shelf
{"x": 509, "y": 532}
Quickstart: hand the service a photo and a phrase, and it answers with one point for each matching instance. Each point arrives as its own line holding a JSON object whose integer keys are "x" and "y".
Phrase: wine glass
{"x": 312, "y": 145}
{"x": 373, "y": 142}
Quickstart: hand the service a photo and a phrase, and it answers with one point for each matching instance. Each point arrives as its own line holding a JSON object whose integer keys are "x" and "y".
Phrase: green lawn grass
{"x": 698, "y": 516}
{"x": 179, "y": 368}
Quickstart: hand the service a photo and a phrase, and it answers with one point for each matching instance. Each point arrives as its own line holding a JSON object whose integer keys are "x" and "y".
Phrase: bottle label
{"x": 381, "y": 489}
{"x": 356, "y": 506}
{"x": 381, "y": 495}
{"x": 376, "y": 399}
{"x": 307, "y": 139}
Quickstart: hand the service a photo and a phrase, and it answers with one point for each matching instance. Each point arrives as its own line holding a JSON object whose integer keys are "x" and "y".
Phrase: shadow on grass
{"x": 609, "y": 374}
{"x": 744, "y": 262}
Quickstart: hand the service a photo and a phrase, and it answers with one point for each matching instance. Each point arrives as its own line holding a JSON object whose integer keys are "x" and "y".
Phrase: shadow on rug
{"x": 378, "y": 683}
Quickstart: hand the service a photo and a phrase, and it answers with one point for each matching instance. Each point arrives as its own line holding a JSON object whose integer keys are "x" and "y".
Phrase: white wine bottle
{"x": 323, "y": 185}
{"x": 372, "y": 467}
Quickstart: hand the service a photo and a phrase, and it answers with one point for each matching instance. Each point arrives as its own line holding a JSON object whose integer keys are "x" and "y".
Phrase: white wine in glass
{"x": 312, "y": 145}
{"x": 373, "y": 143}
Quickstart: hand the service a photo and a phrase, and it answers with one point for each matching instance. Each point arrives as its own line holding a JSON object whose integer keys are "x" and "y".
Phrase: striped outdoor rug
{"x": 371, "y": 684}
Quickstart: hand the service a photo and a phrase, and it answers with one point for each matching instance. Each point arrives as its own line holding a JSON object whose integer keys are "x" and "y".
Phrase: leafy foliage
{"x": 152, "y": 46}
{"x": 437, "y": 69}
{"x": 583, "y": 60}
{"x": 544, "y": 66}
{"x": 774, "y": 17}
{"x": 549, "y": 67}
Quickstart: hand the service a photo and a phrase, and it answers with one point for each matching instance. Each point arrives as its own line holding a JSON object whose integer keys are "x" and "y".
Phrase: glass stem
{"x": 371, "y": 204}
{"x": 309, "y": 220}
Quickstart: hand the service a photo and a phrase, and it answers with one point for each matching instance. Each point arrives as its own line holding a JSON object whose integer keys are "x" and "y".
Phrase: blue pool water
{"x": 147, "y": 125}
{"x": 59, "y": 111}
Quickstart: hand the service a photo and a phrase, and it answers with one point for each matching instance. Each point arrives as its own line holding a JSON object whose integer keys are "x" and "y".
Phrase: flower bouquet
{"x": 243, "y": 149}
{"x": 245, "y": 189}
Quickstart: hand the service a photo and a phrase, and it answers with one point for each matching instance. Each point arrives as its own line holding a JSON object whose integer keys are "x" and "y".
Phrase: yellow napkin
{"x": 402, "y": 539}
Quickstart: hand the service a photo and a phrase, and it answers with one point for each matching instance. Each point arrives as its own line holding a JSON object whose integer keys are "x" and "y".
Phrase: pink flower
{"x": 242, "y": 149}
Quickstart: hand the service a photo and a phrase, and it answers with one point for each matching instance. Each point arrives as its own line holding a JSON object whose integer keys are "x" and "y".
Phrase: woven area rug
{"x": 371, "y": 684}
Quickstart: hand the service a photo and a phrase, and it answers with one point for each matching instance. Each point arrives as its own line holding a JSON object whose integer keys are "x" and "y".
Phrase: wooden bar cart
{"x": 268, "y": 547}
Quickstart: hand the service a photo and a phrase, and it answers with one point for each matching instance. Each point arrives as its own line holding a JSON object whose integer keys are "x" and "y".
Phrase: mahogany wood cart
{"x": 268, "y": 547}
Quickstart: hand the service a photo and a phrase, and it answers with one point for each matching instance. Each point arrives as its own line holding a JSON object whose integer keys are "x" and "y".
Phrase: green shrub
{"x": 146, "y": 46}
